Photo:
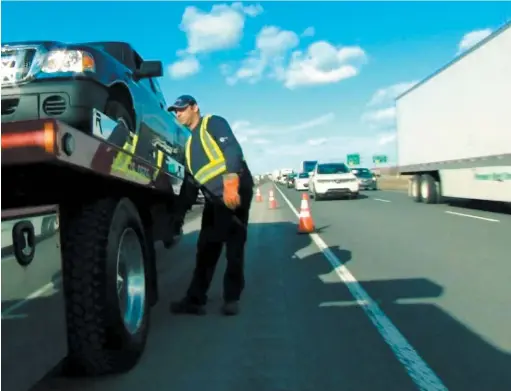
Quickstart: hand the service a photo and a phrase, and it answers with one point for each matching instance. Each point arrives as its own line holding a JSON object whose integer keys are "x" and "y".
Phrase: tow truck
{"x": 93, "y": 169}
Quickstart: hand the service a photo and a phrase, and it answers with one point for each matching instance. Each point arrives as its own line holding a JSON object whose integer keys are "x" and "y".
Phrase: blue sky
{"x": 297, "y": 81}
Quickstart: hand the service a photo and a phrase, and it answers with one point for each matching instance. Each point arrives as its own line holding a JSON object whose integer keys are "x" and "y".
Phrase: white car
{"x": 302, "y": 181}
{"x": 333, "y": 180}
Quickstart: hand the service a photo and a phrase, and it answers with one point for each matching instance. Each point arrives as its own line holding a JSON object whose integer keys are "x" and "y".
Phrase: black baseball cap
{"x": 182, "y": 102}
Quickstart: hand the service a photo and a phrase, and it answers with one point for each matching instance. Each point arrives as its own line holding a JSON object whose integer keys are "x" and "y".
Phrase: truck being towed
{"x": 93, "y": 171}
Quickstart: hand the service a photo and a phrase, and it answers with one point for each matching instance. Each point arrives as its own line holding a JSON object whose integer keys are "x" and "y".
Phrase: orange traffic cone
{"x": 272, "y": 201}
{"x": 305, "y": 223}
{"x": 259, "y": 197}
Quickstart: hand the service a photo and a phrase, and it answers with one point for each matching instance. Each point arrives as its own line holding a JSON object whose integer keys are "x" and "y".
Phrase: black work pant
{"x": 218, "y": 228}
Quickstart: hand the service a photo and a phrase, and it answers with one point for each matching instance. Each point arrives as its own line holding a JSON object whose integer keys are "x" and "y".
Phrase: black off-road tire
{"x": 97, "y": 338}
{"x": 116, "y": 110}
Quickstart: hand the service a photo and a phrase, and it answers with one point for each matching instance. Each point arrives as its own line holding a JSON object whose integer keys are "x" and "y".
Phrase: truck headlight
{"x": 68, "y": 61}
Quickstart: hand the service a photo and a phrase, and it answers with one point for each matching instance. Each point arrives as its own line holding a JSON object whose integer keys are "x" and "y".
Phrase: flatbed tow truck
{"x": 83, "y": 203}
{"x": 78, "y": 254}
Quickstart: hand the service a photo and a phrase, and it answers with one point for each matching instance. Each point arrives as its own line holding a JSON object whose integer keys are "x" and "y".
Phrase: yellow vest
{"x": 216, "y": 165}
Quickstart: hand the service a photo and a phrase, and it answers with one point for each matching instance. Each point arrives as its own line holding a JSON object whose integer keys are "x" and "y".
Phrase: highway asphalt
{"x": 387, "y": 295}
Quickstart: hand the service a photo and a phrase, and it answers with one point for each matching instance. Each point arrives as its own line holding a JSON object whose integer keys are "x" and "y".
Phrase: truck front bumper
{"x": 65, "y": 99}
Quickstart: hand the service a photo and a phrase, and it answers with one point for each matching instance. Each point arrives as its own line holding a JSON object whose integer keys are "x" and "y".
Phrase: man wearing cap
{"x": 215, "y": 160}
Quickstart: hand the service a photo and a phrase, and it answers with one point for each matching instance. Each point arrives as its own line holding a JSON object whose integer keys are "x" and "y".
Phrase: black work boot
{"x": 230, "y": 308}
{"x": 186, "y": 306}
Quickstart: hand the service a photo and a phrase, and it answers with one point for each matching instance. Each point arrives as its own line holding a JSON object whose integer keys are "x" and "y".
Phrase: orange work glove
{"x": 231, "y": 186}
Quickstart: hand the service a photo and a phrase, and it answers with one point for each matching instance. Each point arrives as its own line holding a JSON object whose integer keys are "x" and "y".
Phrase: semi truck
{"x": 92, "y": 175}
{"x": 454, "y": 127}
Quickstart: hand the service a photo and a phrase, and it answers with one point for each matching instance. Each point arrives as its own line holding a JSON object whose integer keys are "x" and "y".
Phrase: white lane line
{"x": 34, "y": 295}
{"x": 381, "y": 200}
{"x": 420, "y": 372}
{"x": 472, "y": 216}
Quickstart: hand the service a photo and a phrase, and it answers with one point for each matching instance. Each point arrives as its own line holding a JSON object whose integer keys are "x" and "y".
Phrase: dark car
{"x": 290, "y": 180}
{"x": 75, "y": 83}
{"x": 366, "y": 179}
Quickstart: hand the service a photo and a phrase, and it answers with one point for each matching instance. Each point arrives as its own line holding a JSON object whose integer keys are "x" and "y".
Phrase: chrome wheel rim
{"x": 424, "y": 190}
{"x": 131, "y": 289}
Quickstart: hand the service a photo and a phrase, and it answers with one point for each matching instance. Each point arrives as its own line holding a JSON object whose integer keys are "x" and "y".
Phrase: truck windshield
{"x": 303, "y": 175}
{"x": 333, "y": 168}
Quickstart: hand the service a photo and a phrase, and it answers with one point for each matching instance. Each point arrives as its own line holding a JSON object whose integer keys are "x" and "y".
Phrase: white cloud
{"x": 272, "y": 43}
{"x": 185, "y": 67}
{"x": 388, "y": 138}
{"x": 240, "y": 125}
{"x": 277, "y": 149}
{"x": 308, "y": 32}
{"x": 386, "y": 96}
{"x": 260, "y": 141}
{"x": 332, "y": 148}
{"x": 383, "y": 114}
{"x": 317, "y": 141}
{"x": 219, "y": 29}
{"x": 472, "y": 38}
{"x": 247, "y": 133}
{"x": 315, "y": 122}
{"x": 380, "y": 118}
{"x": 323, "y": 63}
{"x": 250, "y": 10}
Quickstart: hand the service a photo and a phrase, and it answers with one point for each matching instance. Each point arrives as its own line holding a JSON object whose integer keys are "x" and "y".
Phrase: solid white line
{"x": 33, "y": 295}
{"x": 472, "y": 216}
{"x": 381, "y": 200}
{"x": 421, "y": 374}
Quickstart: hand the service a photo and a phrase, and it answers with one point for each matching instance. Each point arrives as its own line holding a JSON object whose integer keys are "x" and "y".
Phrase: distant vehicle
{"x": 366, "y": 179}
{"x": 302, "y": 181}
{"x": 283, "y": 174}
{"x": 333, "y": 180}
{"x": 454, "y": 127}
{"x": 290, "y": 181}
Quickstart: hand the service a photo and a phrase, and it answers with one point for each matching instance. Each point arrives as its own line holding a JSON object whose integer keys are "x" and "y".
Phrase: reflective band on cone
{"x": 272, "y": 201}
{"x": 259, "y": 197}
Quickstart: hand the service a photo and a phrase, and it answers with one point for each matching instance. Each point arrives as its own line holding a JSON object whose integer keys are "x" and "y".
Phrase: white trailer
{"x": 454, "y": 128}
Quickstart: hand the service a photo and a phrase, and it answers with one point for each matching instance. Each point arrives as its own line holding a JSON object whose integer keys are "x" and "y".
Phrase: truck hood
{"x": 46, "y": 44}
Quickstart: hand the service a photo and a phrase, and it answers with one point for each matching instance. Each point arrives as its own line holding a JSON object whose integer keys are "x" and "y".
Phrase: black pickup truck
{"x": 93, "y": 171}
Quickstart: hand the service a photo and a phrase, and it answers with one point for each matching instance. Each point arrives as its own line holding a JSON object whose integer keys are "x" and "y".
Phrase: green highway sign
{"x": 377, "y": 159}
{"x": 353, "y": 159}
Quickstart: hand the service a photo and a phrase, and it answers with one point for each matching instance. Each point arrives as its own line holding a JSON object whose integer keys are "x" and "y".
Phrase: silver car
{"x": 366, "y": 178}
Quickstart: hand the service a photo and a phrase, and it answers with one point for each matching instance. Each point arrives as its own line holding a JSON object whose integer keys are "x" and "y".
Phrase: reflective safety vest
{"x": 216, "y": 165}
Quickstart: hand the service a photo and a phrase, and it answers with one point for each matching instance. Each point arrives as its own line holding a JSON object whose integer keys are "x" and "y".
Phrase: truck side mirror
{"x": 149, "y": 69}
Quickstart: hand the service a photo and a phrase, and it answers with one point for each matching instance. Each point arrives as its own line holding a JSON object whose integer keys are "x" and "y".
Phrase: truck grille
{"x": 54, "y": 105}
{"x": 16, "y": 64}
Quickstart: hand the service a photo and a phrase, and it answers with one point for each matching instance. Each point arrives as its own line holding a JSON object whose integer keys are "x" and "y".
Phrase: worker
{"x": 215, "y": 160}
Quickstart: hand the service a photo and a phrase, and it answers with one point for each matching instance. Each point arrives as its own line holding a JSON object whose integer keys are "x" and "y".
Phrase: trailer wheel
{"x": 415, "y": 188}
{"x": 428, "y": 189}
{"x": 105, "y": 255}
